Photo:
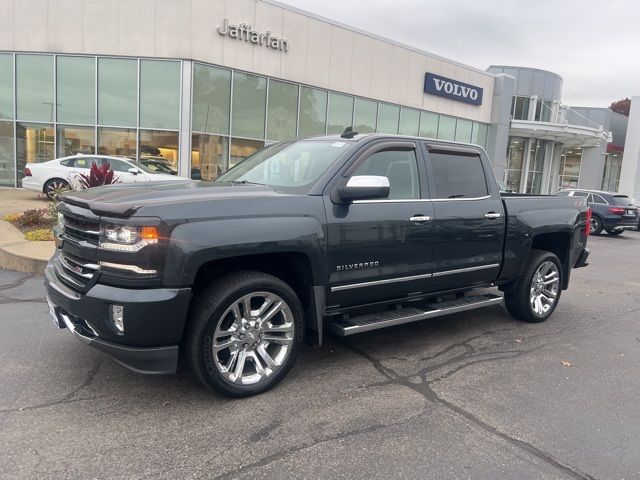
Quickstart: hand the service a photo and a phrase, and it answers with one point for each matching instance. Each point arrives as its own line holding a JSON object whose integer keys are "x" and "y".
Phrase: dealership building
{"x": 204, "y": 84}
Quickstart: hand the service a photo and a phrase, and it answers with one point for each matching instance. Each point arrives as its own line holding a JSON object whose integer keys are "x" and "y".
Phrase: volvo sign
{"x": 449, "y": 88}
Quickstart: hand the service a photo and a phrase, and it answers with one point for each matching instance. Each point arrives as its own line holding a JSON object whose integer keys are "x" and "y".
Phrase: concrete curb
{"x": 21, "y": 255}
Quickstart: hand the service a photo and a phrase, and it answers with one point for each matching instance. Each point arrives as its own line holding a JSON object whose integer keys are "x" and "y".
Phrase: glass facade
{"x": 537, "y": 152}
{"x": 610, "y": 176}
{"x": 515, "y": 163}
{"x": 570, "y": 160}
{"x": 58, "y": 105}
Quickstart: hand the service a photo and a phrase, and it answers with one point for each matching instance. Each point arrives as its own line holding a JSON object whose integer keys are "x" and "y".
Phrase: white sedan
{"x": 54, "y": 175}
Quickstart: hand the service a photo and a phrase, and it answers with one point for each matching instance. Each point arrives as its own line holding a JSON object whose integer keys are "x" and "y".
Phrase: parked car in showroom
{"x": 62, "y": 173}
{"x": 612, "y": 212}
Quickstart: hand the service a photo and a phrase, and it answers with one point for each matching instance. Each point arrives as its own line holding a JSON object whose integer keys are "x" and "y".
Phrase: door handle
{"x": 492, "y": 215}
{"x": 420, "y": 219}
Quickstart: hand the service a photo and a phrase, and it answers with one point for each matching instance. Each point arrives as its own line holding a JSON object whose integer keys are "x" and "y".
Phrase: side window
{"x": 118, "y": 166}
{"x": 68, "y": 162}
{"x": 599, "y": 199}
{"x": 590, "y": 198}
{"x": 400, "y": 167}
{"x": 84, "y": 162}
{"x": 458, "y": 176}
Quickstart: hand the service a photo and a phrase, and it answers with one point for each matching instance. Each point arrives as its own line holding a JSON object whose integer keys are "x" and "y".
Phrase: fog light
{"x": 117, "y": 316}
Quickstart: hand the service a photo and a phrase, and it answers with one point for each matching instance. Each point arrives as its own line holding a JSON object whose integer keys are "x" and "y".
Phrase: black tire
{"x": 206, "y": 315}
{"x": 53, "y": 186}
{"x": 519, "y": 303}
{"x": 596, "y": 225}
{"x": 615, "y": 232}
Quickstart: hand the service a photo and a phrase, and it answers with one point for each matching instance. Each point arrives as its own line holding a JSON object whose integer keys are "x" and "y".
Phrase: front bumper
{"x": 153, "y": 325}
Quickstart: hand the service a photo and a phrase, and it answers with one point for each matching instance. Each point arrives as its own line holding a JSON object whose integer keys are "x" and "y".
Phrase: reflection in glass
{"x": 612, "y": 168}
{"x": 34, "y": 87}
{"x": 160, "y": 146}
{"x": 208, "y": 156}
{"x": 241, "y": 149}
{"x": 364, "y": 116}
{"x": 313, "y": 112}
{"x": 340, "y": 112}
{"x": 72, "y": 140}
{"x": 537, "y": 153}
{"x": 447, "y": 128}
{"x": 570, "y": 162}
{"x": 409, "y": 122}
{"x": 283, "y": 110}
{"x": 6, "y": 86}
{"x": 7, "y": 165}
{"x": 428, "y": 125}
{"x": 515, "y": 162}
{"x": 117, "y": 91}
{"x": 463, "y": 130}
{"x": 159, "y": 94}
{"x": 479, "y": 135}
{"x": 117, "y": 141}
{"x": 249, "y": 103}
{"x": 388, "y": 116}
{"x": 34, "y": 145}
{"x": 211, "y": 99}
{"x": 520, "y": 108}
{"x": 75, "y": 84}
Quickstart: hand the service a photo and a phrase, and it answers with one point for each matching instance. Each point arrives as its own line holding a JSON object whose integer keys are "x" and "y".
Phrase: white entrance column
{"x": 630, "y": 171}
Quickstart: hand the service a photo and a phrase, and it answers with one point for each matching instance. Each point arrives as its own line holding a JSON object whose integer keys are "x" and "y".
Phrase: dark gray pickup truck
{"x": 343, "y": 233}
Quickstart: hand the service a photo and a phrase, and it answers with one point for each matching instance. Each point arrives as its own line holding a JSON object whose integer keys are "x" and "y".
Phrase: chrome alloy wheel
{"x": 253, "y": 338}
{"x": 55, "y": 186}
{"x": 545, "y": 286}
{"x": 593, "y": 225}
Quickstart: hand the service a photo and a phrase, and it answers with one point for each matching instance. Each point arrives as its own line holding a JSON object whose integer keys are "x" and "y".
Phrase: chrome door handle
{"x": 492, "y": 215}
{"x": 420, "y": 219}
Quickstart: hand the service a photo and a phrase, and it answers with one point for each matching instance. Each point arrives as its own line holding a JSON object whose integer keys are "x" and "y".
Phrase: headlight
{"x": 127, "y": 238}
{"x": 61, "y": 221}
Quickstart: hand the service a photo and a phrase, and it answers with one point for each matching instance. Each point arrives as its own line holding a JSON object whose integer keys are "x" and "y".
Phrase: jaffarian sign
{"x": 449, "y": 88}
{"x": 245, "y": 32}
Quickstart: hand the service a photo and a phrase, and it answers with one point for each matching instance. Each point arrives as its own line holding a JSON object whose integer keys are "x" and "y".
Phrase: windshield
{"x": 295, "y": 164}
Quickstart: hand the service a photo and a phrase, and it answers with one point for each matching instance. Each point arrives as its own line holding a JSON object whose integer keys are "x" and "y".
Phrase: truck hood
{"x": 124, "y": 199}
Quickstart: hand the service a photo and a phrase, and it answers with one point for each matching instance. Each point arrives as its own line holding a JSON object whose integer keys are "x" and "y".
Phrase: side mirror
{"x": 364, "y": 187}
{"x": 134, "y": 170}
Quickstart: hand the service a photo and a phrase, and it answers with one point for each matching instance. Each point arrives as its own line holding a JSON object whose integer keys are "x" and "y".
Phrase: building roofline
{"x": 336, "y": 23}
{"x": 520, "y": 67}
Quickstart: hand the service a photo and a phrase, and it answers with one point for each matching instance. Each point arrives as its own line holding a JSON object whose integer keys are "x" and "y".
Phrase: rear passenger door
{"x": 469, "y": 218}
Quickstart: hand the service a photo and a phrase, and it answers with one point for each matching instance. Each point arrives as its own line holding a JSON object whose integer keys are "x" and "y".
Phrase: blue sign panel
{"x": 449, "y": 88}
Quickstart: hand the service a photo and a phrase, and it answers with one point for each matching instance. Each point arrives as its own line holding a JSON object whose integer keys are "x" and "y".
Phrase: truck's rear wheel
{"x": 244, "y": 334}
{"x": 537, "y": 292}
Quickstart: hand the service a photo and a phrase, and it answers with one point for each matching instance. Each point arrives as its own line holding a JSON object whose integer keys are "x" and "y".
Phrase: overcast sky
{"x": 593, "y": 45}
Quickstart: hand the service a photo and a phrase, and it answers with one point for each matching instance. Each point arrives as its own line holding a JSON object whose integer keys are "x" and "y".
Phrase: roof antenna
{"x": 349, "y": 133}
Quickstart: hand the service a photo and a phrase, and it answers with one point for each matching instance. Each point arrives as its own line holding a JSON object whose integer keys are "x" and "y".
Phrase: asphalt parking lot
{"x": 472, "y": 396}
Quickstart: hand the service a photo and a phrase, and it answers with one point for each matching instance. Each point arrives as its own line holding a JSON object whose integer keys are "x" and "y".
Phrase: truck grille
{"x": 81, "y": 229}
{"x": 76, "y": 273}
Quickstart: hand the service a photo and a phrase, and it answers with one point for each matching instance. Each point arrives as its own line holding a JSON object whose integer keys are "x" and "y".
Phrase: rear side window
{"x": 599, "y": 199}
{"x": 458, "y": 176}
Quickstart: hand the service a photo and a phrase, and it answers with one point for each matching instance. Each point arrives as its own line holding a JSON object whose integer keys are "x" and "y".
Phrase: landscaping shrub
{"x": 97, "y": 176}
{"x": 39, "y": 235}
{"x": 33, "y": 217}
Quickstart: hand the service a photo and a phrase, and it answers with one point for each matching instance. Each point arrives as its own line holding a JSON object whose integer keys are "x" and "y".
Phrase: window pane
{"x": 463, "y": 130}
{"x": 72, "y": 140}
{"x": 313, "y": 112}
{"x": 208, "y": 156}
{"x": 399, "y": 166}
{"x": 117, "y": 141}
{"x": 458, "y": 176}
{"x": 364, "y": 116}
{"x": 117, "y": 87}
{"x": 211, "y": 99}
{"x": 249, "y": 103}
{"x": 7, "y": 162}
{"x": 388, "y": 116}
{"x": 6, "y": 86}
{"x": 409, "y": 122}
{"x": 283, "y": 110}
{"x": 340, "y": 112}
{"x": 428, "y": 125}
{"x": 521, "y": 110}
{"x": 159, "y": 94}
{"x": 160, "y": 146}
{"x": 446, "y": 128}
{"x": 34, "y": 145}
{"x": 76, "y": 84}
{"x": 34, "y": 85}
{"x": 479, "y": 135}
{"x": 241, "y": 149}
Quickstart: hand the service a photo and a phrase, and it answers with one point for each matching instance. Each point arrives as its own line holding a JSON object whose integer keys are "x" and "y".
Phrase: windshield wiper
{"x": 243, "y": 182}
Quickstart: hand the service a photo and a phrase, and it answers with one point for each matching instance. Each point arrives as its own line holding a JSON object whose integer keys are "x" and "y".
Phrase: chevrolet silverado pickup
{"x": 342, "y": 234}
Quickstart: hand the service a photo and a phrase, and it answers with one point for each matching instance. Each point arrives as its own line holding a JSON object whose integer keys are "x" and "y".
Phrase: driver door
{"x": 382, "y": 249}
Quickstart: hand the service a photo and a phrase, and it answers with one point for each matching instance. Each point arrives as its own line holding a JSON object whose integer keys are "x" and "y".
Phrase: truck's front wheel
{"x": 244, "y": 334}
{"x": 537, "y": 292}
